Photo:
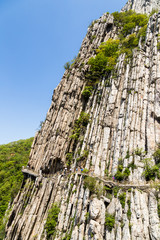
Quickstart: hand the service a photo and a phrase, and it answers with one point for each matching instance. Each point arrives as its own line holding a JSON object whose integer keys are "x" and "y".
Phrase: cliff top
{"x": 142, "y": 6}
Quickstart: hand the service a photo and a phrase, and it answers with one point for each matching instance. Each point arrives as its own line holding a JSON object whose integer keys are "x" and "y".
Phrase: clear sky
{"x": 37, "y": 37}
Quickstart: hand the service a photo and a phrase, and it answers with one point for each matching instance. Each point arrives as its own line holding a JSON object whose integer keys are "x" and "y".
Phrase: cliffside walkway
{"x": 107, "y": 182}
{"x": 30, "y": 172}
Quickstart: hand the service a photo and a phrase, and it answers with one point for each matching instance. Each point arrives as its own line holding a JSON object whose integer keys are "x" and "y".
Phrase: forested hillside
{"x": 12, "y": 157}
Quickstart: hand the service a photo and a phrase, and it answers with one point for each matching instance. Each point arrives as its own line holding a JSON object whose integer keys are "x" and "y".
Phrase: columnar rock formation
{"x": 123, "y": 126}
{"x": 142, "y": 6}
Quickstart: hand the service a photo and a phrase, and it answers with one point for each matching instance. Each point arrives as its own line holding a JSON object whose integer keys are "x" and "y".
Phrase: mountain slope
{"x": 104, "y": 119}
{"x": 12, "y": 157}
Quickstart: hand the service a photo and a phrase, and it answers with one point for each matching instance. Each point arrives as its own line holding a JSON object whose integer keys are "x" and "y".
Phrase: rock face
{"x": 123, "y": 125}
{"x": 142, "y": 6}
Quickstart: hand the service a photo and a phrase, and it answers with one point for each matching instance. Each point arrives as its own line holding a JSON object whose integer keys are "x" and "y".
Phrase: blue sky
{"x": 37, "y": 37}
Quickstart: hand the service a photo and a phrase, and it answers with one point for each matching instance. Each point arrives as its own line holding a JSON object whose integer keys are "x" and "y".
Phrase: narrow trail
{"x": 107, "y": 182}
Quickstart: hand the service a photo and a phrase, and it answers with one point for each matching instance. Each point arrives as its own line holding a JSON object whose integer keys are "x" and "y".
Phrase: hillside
{"x": 12, "y": 157}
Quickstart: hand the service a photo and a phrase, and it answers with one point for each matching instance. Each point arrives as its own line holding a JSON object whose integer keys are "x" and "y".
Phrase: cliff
{"x": 105, "y": 119}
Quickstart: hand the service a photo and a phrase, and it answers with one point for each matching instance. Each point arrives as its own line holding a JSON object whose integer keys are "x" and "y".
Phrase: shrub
{"x": 128, "y": 27}
{"x": 67, "y": 65}
{"x": 130, "y": 42}
{"x": 138, "y": 151}
{"x": 132, "y": 165}
{"x": 151, "y": 173}
{"x": 80, "y": 125}
{"x": 122, "y": 175}
{"x": 85, "y": 170}
{"x": 127, "y": 21}
{"x": 122, "y": 198}
{"x": 51, "y": 222}
{"x": 158, "y": 209}
{"x": 115, "y": 191}
{"x": 87, "y": 92}
{"x": 90, "y": 183}
{"x": 84, "y": 156}
{"x": 156, "y": 156}
{"x": 158, "y": 46}
{"x": 109, "y": 221}
{"x": 104, "y": 61}
{"x": 69, "y": 158}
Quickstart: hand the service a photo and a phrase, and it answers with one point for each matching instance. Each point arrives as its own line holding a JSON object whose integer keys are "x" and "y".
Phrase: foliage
{"x": 104, "y": 61}
{"x": 127, "y": 21}
{"x": 132, "y": 165}
{"x": 122, "y": 175}
{"x": 109, "y": 221}
{"x": 158, "y": 208}
{"x": 12, "y": 157}
{"x": 151, "y": 172}
{"x": 85, "y": 170}
{"x": 107, "y": 54}
{"x": 158, "y": 46}
{"x": 69, "y": 158}
{"x": 84, "y": 156}
{"x": 129, "y": 209}
{"x": 115, "y": 191}
{"x": 122, "y": 198}
{"x": 156, "y": 156}
{"x": 87, "y": 92}
{"x": 67, "y": 65}
{"x": 138, "y": 151}
{"x": 92, "y": 184}
{"x": 127, "y": 154}
{"x": 51, "y": 222}
{"x": 80, "y": 125}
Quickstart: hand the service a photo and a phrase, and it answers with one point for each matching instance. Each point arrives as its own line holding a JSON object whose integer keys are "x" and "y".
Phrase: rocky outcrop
{"x": 142, "y": 6}
{"x": 123, "y": 125}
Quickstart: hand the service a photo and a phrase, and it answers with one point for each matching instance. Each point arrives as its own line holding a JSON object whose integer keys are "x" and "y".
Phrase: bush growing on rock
{"x": 156, "y": 156}
{"x": 80, "y": 125}
{"x": 109, "y": 221}
{"x": 92, "y": 184}
{"x": 51, "y": 222}
{"x": 87, "y": 92}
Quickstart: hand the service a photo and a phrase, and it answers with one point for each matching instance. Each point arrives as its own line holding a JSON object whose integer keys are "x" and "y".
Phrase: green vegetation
{"x": 156, "y": 156}
{"x": 109, "y": 221}
{"x": 84, "y": 156}
{"x": 67, "y": 65}
{"x": 129, "y": 209}
{"x": 92, "y": 184}
{"x": 12, "y": 157}
{"x": 115, "y": 191}
{"x": 158, "y": 209}
{"x": 138, "y": 151}
{"x": 87, "y": 92}
{"x": 103, "y": 62}
{"x": 80, "y": 125}
{"x": 132, "y": 165}
{"x": 108, "y": 52}
{"x": 127, "y": 21}
{"x": 122, "y": 175}
{"x": 151, "y": 172}
{"x": 69, "y": 158}
{"x": 51, "y": 222}
{"x": 122, "y": 199}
